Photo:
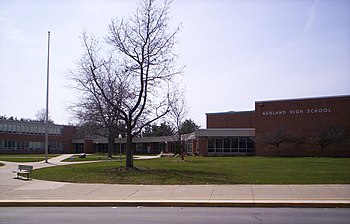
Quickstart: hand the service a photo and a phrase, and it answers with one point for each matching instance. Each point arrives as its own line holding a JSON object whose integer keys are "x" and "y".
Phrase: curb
{"x": 111, "y": 203}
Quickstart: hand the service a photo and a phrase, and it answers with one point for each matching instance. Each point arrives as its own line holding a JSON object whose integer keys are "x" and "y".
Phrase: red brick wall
{"x": 88, "y": 146}
{"x": 202, "y": 143}
{"x": 231, "y": 120}
{"x": 68, "y": 134}
{"x": 301, "y": 117}
{"x": 66, "y": 138}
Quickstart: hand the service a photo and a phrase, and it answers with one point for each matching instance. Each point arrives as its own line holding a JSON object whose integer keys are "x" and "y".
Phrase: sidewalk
{"x": 15, "y": 192}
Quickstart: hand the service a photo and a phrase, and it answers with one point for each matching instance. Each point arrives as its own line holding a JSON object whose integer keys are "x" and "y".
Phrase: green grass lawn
{"x": 207, "y": 170}
{"x": 96, "y": 157}
{"x": 25, "y": 157}
{"x": 99, "y": 156}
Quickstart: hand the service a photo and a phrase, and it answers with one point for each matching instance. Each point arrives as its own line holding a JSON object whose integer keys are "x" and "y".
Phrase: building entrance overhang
{"x": 223, "y": 132}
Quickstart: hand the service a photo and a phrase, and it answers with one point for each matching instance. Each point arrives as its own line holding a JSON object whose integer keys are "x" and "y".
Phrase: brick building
{"x": 296, "y": 121}
{"x": 29, "y": 137}
{"x": 245, "y": 133}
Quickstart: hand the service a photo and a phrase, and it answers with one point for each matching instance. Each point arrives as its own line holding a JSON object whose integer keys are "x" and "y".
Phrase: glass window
{"x": 59, "y": 130}
{"x": 219, "y": 145}
{"x": 18, "y": 130}
{"x": 251, "y": 145}
{"x": 9, "y": 144}
{"x": 23, "y": 129}
{"x": 31, "y": 129}
{"x": 189, "y": 147}
{"x": 211, "y": 144}
{"x": 234, "y": 144}
{"x": 26, "y": 145}
{"x": 227, "y": 144}
{"x": 243, "y": 144}
{"x": 27, "y": 129}
{"x": 9, "y": 127}
{"x": 42, "y": 130}
{"x": 19, "y": 145}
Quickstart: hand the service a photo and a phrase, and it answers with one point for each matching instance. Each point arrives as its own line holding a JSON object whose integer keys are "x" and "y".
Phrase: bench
{"x": 24, "y": 169}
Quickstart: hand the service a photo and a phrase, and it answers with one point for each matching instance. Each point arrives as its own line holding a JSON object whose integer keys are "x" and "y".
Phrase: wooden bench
{"x": 24, "y": 169}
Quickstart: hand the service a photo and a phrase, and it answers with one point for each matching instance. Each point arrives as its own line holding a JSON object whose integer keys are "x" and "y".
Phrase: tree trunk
{"x": 129, "y": 148}
{"x": 111, "y": 140}
{"x": 182, "y": 150}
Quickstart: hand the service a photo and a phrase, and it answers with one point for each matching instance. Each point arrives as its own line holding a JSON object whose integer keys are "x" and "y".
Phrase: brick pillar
{"x": 88, "y": 146}
{"x": 203, "y": 146}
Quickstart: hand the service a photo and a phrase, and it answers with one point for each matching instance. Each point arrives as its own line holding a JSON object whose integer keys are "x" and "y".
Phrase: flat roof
{"x": 304, "y": 98}
{"x": 279, "y": 100}
{"x": 102, "y": 140}
{"x": 223, "y": 132}
{"x": 231, "y": 112}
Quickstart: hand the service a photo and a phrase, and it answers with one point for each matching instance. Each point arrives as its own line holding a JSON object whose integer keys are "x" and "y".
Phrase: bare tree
{"x": 278, "y": 136}
{"x": 177, "y": 116}
{"x": 100, "y": 118}
{"x": 41, "y": 116}
{"x": 328, "y": 135}
{"x": 92, "y": 110}
{"x": 134, "y": 78}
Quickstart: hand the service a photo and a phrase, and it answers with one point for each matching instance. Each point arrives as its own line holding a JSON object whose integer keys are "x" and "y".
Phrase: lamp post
{"x": 120, "y": 149}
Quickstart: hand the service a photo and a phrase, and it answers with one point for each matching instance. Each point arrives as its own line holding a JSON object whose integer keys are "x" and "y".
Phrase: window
{"x": 234, "y": 144}
{"x": 251, "y": 146}
{"x": 189, "y": 147}
{"x": 211, "y": 144}
{"x": 18, "y": 128}
{"x": 230, "y": 145}
{"x": 227, "y": 145}
{"x": 41, "y": 130}
{"x": 31, "y": 129}
{"x": 9, "y": 144}
{"x": 9, "y": 126}
{"x": 219, "y": 145}
{"x": 23, "y": 129}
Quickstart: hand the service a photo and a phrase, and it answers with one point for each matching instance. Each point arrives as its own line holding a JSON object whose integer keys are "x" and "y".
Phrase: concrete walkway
{"x": 17, "y": 192}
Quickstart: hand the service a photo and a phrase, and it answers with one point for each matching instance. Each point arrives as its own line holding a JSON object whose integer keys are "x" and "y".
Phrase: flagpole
{"x": 47, "y": 100}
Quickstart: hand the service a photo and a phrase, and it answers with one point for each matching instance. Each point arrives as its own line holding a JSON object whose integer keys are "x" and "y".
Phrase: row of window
{"x": 28, "y": 146}
{"x": 33, "y": 129}
{"x": 230, "y": 145}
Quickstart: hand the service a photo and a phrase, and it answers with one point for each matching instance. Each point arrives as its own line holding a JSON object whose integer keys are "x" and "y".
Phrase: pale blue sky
{"x": 235, "y": 51}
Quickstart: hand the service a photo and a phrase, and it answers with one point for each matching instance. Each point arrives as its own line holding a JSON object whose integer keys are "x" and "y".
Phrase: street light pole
{"x": 120, "y": 149}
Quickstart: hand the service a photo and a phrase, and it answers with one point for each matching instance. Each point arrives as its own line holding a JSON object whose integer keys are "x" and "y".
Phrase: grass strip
{"x": 207, "y": 170}
{"x": 25, "y": 157}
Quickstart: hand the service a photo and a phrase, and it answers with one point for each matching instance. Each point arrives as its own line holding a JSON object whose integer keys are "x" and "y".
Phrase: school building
{"x": 245, "y": 132}
{"x": 241, "y": 133}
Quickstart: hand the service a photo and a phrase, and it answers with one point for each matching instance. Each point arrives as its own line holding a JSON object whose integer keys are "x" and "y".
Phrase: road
{"x": 154, "y": 215}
